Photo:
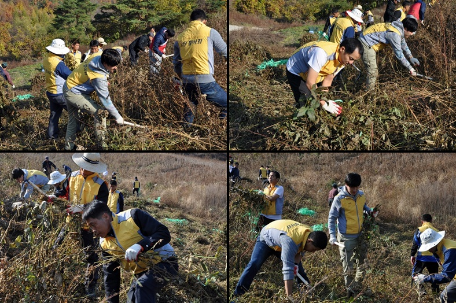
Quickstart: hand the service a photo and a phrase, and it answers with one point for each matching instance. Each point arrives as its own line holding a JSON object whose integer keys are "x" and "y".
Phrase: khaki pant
{"x": 85, "y": 104}
{"x": 346, "y": 254}
{"x": 370, "y": 61}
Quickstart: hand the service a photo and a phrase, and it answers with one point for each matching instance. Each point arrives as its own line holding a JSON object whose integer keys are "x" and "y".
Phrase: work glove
{"x": 332, "y": 107}
{"x": 133, "y": 252}
{"x": 75, "y": 209}
{"x": 295, "y": 269}
{"x": 260, "y": 192}
{"x": 120, "y": 120}
{"x": 415, "y": 61}
{"x": 412, "y": 260}
{"x": 419, "y": 279}
{"x": 14, "y": 86}
{"x": 332, "y": 240}
{"x": 374, "y": 214}
{"x": 422, "y": 22}
{"x": 413, "y": 72}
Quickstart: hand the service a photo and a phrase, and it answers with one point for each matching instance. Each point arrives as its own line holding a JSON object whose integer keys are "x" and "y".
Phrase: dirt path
{"x": 238, "y": 27}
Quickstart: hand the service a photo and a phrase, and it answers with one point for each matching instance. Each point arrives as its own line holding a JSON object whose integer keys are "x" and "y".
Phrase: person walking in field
{"x": 423, "y": 259}
{"x": 288, "y": 240}
{"x": 318, "y": 62}
{"x": 344, "y": 28}
{"x": 394, "y": 34}
{"x": 90, "y": 76}
{"x": 347, "y": 211}
{"x": 445, "y": 249}
{"x": 332, "y": 193}
{"x": 6, "y": 74}
{"x": 158, "y": 49}
{"x": 115, "y": 198}
{"x": 47, "y": 166}
{"x": 67, "y": 170}
{"x": 262, "y": 174}
{"x": 136, "y": 187}
{"x": 24, "y": 176}
{"x": 274, "y": 198}
{"x": 136, "y": 242}
{"x": 194, "y": 63}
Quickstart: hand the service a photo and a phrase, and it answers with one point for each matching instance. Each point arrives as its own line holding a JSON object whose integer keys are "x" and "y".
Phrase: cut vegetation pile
{"x": 404, "y": 113}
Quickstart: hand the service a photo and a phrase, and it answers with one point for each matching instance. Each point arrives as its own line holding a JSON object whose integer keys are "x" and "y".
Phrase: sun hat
{"x": 90, "y": 162}
{"x": 101, "y": 41}
{"x": 356, "y": 15}
{"x": 56, "y": 177}
{"x": 58, "y": 47}
{"x": 430, "y": 238}
{"x": 359, "y": 7}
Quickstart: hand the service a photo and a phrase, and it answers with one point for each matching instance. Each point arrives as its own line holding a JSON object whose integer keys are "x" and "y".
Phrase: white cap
{"x": 101, "y": 41}
{"x": 356, "y": 15}
{"x": 58, "y": 47}
{"x": 359, "y": 7}
{"x": 430, "y": 238}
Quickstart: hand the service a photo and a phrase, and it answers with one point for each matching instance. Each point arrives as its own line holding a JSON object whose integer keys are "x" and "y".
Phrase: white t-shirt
{"x": 278, "y": 191}
{"x": 314, "y": 57}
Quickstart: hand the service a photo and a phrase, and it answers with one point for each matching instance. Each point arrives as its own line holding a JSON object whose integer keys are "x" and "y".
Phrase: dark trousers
{"x": 57, "y": 104}
{"x": 432, "y": 268}
{"x": 146, "y": 286}
{"x": 299, "y": 88}
{"x": 137, "y": 191}
{"x": 134, "y": 56}
{"x": 89, "y": 245}
{"x": 262, "y": 222}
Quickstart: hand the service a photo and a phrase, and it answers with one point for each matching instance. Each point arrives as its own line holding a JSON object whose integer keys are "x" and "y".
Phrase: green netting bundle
{"x": 306, "y": 212}
{"x": 157, "y": 200}
{"x": 22, "y": 97}
{"x": 319, "y": 227}
{"x": 178, "y": 221}
{"x": 271, "y": 63}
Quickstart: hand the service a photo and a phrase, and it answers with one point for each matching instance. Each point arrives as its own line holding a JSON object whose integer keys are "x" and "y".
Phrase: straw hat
{"x": 430, "y": 238}
{"x": 90, "y": 162}
{"x": 356, "y": 15}
{"x": 56, "y": 177}
{"x": 58, "y": 47}
{"x": 101, "y": 41}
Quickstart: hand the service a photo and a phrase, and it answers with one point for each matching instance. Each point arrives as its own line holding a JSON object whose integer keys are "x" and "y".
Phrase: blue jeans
{"x": 260, "y": 254}
{"x": 214, "y": 94}
{"x": 57, "y": 104}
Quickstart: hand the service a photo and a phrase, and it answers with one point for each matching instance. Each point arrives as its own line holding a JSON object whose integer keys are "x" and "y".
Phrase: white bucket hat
{"x": 356, "y": 15}
{"x": 56, "y": 177}
{"x": 58, "y": 47}
{"x": 90, "y": 162}
{"x": 359, "y": 7}
{"x": 430, "y": 238}
{"x": 101, "y": 41}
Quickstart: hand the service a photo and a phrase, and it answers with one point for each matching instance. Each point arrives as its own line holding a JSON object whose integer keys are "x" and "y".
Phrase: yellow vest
{"x": 339, "y": 27}
{"x": 112, "y": 200}
{"x": 445, "y": 244}
{"x": 193, "y": 47}
{"x": 75, "y": 57}
{"x": 270, "y": 208}
{"x": 380, "y": 27}
{"x": 33, "y": 172}
{"x": 332, "y": 20}
{"x": 298, "y": 232}
{"x": 126, "y": 234}
{"x": 83, "y": 191}
{"x": 82, "y": 73}
{"x": 422, "y": 228}
{"x": 264, "y": 172}
{"x": 136, "y": 184}
{"x": 331, "y": 66}
{"x": 403, "y": 15}
{"x": 353, "y": 213}
{"x": 50, "y": 63}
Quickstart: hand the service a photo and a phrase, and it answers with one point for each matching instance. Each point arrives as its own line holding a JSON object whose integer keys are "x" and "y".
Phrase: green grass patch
{"x": 23, "y": 75}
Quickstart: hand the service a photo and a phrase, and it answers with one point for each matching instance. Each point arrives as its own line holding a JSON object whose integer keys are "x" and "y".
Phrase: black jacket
{"x": 389, "y": 13}
{"x": 140, "y": 43}
{"x": 47, "y": 165}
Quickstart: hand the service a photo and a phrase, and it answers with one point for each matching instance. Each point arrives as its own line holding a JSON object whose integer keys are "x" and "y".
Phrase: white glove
{"x": 415, "y": 61}
{"x": 413, "y": 72}
{"x": 332, "y": 240}
{"x": 332, "y": 107}
{"x": 133, "y": 252}
{"x": 14, "y": 86}
{"x": 419, "y": 279}
{"x": 75, "y": 209}
{"x": 422, "y": 22}
{"x": 120, "y": 120}
{"x": 52, "y": 196}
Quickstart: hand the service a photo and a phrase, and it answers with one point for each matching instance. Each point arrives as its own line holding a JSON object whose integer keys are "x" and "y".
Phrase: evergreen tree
{"x": 72, "y": 20}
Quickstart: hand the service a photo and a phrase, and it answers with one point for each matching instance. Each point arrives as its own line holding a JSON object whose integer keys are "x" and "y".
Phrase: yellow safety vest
{"x": 443, "y": 246}
{"x": 126, "y": 234}
{"x": 339, "y": 27}
{"x": 422, "y": 228}
{"x": 270, "y": 208}
{"x": 136, "y": 184}
{"x": 112, "y": 200}
{"x": 83, "y": 191}
{"x": 331, "y": 66}
{"x": 264, "y": 172}
{"x": 50, "y": 63}
{"x": 193, "y": 47}
{"x": 298, "y": 232}
{"x": 380, "y": 27}
{"x": 75, "y": 57}
{"x": 82, "y": 73}
{"x": 33, "y": 172}
{"x": 353, "y": 213}
{"x": 403, "y": 15}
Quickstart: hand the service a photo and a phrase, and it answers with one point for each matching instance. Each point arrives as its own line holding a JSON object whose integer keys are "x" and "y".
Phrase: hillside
{"x": 192, "y": 205}
{"x": 403, "y": 113}
{"x": 405, "y": 185}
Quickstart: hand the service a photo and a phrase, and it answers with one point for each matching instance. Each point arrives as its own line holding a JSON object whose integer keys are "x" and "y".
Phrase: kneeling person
{"x": 318, "y": 62}
{"x": 126, "y": 235}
